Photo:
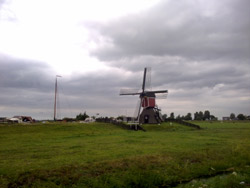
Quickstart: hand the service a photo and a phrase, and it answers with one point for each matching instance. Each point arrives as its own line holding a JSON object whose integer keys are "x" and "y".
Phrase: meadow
{"x": 105, "y": 155}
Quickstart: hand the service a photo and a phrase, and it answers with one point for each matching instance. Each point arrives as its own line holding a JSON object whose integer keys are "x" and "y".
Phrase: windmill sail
{"x": 144, "y": 80}
{"x": 137, "y": 110}
{"x": 129, "y": 92}
{"x": 161, "y": 95}
{"x": 148, "y": 80}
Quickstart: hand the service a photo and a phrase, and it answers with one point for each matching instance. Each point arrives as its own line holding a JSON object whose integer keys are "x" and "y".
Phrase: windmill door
{"x": 146, "y": 118}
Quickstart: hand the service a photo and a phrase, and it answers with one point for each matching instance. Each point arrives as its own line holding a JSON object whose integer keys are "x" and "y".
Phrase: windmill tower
{"x": 150, "y": 113}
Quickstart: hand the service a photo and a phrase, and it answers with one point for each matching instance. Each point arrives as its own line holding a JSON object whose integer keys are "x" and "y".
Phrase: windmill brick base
{"x": 151, "y": 116}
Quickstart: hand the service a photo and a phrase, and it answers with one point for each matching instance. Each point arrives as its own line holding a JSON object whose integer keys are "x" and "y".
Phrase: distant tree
{"x": 241, "y": 117}
{"x": 106, "y": 119}
{"x": 178, "y": 117}
{"x": 196, "y": 115}
{"x": 120, "y": 117}
{"x": 201, "y": 116}
{"x": 172, "y": 115}
{"x": 188, "y": 116}
{"x": 82, "y": 116}
{"x": 212, "y": 117}
{"x": 232, "y": 116}
{"x": 206, "y": 115}
{"x": 164, "y": 116}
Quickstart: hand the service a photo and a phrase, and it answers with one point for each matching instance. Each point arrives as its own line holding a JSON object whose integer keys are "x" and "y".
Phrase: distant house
{"x": 3, "y": 119}
{"x": 15, "y": 120}
{"x": 225, "y": 118}
{"x": 21, "y": 119}
{"x": 89, "y": 119}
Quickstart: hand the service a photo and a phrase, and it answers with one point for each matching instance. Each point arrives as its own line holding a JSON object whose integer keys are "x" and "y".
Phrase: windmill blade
{"x": 161, "y": 95}
{"x": 146, "y": 83}
{"x": 148, "y": 80}
{"x": 138, "y": 109}
{"x": 144, "y": 79}
{"x": 129, "y": 92}
{"x": 158, "y": 91}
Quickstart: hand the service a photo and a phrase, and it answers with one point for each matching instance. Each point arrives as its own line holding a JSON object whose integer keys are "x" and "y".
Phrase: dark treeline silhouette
{"x": 202, "y": 116}
{"x": 197, "y": 116}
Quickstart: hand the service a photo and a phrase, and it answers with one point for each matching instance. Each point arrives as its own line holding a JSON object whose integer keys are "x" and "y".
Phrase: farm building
{"x": 225, "y": 118}
{"x": 3, "y": 119}
{"x": 21, "y": 119}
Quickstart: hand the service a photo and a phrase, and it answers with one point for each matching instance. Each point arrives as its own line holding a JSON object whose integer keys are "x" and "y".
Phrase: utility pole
{"x": 55, "y": 97}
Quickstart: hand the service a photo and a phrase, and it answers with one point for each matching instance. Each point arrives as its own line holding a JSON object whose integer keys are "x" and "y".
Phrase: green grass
{"x": 104, "y": 155}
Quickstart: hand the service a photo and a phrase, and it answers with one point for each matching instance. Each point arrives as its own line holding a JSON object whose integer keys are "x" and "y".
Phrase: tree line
{"x": 239, "y": 117}
{"x": 199, "y": 116}
{"x": 202, "y": 116}
{"x": 79, "y": 117}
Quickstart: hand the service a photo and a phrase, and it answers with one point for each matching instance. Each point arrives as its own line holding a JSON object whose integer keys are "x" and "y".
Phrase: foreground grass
{"x": 104, "y": 155}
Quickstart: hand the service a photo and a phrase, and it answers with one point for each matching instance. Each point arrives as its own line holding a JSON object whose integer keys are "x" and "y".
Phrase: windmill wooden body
{"x": 150, "y": 113}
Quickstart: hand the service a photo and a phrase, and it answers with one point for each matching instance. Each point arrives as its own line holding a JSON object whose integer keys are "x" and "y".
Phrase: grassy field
{"x": 105, "y": 155}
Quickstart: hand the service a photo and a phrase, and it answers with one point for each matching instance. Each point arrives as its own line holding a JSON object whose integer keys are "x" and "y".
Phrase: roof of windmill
{"x": 150, "y": 94}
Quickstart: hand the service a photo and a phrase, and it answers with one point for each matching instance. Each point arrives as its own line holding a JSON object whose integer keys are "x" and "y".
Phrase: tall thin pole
{"x": 55, "y": 97}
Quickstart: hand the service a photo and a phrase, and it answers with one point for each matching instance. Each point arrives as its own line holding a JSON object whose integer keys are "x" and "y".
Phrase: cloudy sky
{"x": 198, "y": 50}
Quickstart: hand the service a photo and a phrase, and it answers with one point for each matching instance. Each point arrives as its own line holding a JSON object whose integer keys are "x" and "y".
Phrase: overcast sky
{"x": 198, "y": 50}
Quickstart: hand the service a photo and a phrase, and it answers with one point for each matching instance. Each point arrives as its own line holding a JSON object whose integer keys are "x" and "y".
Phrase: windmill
{"x": 150, "y": 113}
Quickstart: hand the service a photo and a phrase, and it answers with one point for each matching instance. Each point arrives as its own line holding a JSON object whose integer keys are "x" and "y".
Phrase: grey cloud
{"x": 179, "y": 28}
{"x": 25, "y": 74}
{"x": 179, "y": 73}
{"x": 27, "y": 88}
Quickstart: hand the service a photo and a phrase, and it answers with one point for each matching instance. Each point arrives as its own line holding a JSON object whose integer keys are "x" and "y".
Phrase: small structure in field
{"x": 150, "y": 113}
{"x": 225, "y": 118}
{"x": 21, "y": 119}
{"x": 3, "y": 119}
{"x": 88, "y": 120}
